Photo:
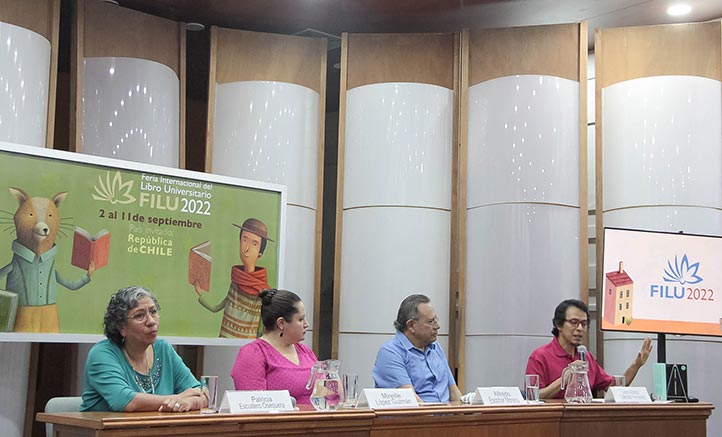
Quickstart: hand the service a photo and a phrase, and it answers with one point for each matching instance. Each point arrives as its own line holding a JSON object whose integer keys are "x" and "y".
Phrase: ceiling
{"x": 333, "y": 17}
{"x": 337, "y": 16}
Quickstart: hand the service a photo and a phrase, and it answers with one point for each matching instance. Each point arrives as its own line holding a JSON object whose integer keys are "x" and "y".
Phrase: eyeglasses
{"x": 432, "y": 322}
{"x": 142, "y": 317}
{"x": 576, "y": 322}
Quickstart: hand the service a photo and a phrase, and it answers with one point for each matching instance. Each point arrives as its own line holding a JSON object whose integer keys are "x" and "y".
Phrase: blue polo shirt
{"x": 400, "y": 363}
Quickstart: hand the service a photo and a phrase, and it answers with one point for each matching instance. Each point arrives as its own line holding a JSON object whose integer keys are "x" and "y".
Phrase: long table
{"x": 547, "y": 420}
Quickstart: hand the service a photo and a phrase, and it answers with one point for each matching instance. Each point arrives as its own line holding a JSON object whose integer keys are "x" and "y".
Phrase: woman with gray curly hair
{"x": 133, "y": 370}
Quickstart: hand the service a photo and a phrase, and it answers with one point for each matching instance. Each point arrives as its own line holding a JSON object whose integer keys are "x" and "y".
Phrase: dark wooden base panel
{"x": 548, "y": 420}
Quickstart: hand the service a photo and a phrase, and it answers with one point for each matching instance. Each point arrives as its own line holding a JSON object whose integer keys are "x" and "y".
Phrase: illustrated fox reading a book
{"x": 241, "y": 306}
{"x": 31, "y": 275}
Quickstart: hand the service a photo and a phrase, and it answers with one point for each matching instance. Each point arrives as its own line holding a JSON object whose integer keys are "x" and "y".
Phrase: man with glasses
{"x": 571, "y": 320}
{"x": 413, "y": 358}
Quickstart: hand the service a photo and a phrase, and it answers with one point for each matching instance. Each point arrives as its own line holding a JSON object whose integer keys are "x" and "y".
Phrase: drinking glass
{"x": 350, "y": 389}
{"x": 209, "y": 388}
{"x": 531, "y": 382}
{"x": 619, "y": 381}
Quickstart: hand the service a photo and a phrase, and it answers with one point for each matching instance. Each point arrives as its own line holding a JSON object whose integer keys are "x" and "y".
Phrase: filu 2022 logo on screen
{"x": 683, "y": 281}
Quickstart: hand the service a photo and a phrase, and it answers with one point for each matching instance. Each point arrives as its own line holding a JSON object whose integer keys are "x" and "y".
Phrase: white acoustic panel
{"x": 523, "y": 141}
{"x": 591, "y": 101}
{"x": 500, "y": 361}
{"x": 357, "y": 353}
{"x": 15, "y": 362}
{"x": 702, "y": 356}
{"x": 624, "y": 336}
{"x": 592, "y": 226}
{"x": 131, "y": 110}
{"x": 592, "y": 266}
{"x": 619, "y": 354}
{"x": 24, "y": 77}
{"x": 398, "y": 145}
{"x": 82, "y": 358}
{"x": 219, "y": 360}
{"x": 388, "y": 254}
{"x": 689, "y": 219}
{"x": 268, "y": 131}
{"x": 521, "y": 259}
{"x": 300, "y": 255}
{"x": 661, "y": 142}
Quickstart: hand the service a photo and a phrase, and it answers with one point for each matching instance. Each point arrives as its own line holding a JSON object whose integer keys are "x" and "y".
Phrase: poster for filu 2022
{"x": 76, "y": 228}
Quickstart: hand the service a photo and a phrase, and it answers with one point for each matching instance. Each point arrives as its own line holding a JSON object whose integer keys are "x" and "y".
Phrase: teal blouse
{"x": 111, "y": 383}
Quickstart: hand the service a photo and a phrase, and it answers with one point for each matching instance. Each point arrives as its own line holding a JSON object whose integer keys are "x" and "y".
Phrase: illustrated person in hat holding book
{"x": 242, "y": 306}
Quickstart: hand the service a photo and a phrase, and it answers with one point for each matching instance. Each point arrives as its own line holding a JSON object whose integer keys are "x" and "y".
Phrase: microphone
{"x": 582, "y": 352}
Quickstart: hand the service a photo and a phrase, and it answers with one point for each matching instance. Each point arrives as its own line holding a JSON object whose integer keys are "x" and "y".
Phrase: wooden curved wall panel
{"x": 241, "y": 55}
{"x": 421, "y": 58}
{"x": 522, "y": 190}
{"x": 266, "y": 95}
{"x": 111, "y": 30}
{"x": 43, "y": 18}
{"x": 546, "y": 50}
{"x": 40, "y": 16}
{"x": 626, "y": 53}
{"x": 397, "y": 175}
{"x": 106, "y": 30}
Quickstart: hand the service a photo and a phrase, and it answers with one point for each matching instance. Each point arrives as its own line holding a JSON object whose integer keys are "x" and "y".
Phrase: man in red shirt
{"x": 571, "y": 320}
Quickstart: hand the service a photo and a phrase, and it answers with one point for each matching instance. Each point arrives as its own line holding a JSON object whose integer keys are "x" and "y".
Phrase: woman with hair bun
{"x": 277, "y": 360}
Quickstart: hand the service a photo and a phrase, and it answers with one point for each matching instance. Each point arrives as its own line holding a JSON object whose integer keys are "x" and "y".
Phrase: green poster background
{"x": 116, "y": 198}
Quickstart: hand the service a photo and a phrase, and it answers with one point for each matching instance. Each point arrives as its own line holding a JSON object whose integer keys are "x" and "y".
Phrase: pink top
{"x": 549, "y": 360}
{"x": 259, "y": 366}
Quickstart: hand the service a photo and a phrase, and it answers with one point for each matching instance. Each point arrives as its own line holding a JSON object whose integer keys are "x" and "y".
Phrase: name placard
{"x": 499, "y": 396}
{"x": 380, "y": 398}
{"x": 627, "y": 395}
{"x": 256, "y": 401}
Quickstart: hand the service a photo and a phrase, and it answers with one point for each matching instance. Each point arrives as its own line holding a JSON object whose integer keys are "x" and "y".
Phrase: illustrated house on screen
{"x": 618, "y": 295}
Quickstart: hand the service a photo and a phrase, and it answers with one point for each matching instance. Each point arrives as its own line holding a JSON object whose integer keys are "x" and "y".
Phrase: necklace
{"x": 144, "y": 382}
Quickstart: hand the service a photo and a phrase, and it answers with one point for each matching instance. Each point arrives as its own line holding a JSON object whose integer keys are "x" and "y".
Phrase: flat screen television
{"x": 661, "y": 282}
